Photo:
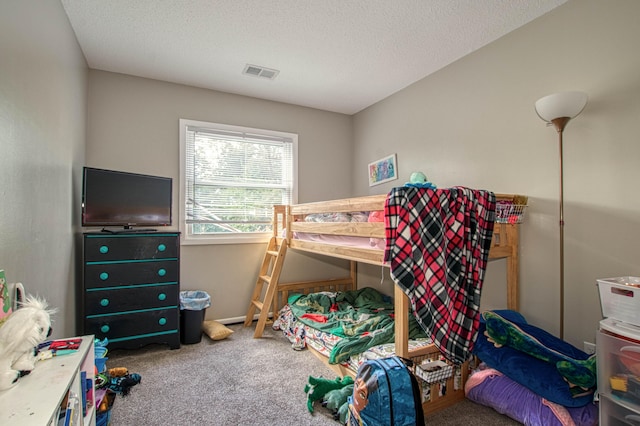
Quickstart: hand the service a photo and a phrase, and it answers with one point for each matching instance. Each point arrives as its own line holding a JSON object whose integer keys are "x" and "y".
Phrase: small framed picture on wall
{"x": 383, "y": 170}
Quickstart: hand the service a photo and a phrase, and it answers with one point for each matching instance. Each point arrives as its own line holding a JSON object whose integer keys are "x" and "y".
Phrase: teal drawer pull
{"x": 162, "y": 247}
{"x": 162, "y": 296}
{"x": 104, "y": 276}
{"x": 105, "y": 328}
{"x": 104, "y": 249}
{"x": 162, "y": 321}
{"x": 104, "y": 302}
{"x": 162, "y": 272}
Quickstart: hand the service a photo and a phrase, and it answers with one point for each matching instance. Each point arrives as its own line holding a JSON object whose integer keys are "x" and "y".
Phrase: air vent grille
{"x": 262, "y": 72}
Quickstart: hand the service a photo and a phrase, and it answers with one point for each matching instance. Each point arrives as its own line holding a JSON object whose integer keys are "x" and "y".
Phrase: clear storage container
{"x": 615, "y": 414}
{"x": 618, "y": 352}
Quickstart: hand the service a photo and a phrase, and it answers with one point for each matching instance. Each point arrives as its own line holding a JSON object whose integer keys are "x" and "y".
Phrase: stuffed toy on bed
{"x": 20, "y": 335}
{"x": 419, "y": 180}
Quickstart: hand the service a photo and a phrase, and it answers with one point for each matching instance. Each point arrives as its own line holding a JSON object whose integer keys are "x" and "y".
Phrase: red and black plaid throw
{"x": 437, "y": 245}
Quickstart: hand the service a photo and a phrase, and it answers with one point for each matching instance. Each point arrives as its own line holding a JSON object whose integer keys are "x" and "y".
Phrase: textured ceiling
{"x": 335, "y": 55}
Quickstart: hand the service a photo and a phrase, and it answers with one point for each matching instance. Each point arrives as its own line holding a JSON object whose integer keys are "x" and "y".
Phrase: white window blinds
{"x": 233, "y": 179}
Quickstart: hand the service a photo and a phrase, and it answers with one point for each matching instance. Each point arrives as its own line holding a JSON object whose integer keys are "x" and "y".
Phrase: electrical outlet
{"x": 589, "y": 347}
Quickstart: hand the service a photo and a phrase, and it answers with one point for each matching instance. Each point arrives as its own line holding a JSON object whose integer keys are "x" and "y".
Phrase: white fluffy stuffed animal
{"x": 20, "y": 335}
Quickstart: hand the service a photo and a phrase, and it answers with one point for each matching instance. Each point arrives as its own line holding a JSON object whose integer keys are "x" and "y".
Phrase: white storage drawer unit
{"x": 616, "y": 414}
{"x": 618, "y": 353}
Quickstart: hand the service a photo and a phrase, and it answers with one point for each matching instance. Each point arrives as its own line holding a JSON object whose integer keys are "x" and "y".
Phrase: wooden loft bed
{"x": 289, "y": 220}
{"x": 504, "y": 244}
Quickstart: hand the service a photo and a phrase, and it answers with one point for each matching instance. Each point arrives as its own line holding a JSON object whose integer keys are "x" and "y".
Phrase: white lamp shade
{"x": 563, "y": 104}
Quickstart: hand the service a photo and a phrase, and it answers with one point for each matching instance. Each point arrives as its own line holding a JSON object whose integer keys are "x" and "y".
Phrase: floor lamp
{"x": 557, "y": 110}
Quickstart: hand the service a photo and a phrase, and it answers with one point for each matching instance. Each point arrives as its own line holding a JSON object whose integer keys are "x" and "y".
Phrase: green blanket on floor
{"x": 362, "y": 318}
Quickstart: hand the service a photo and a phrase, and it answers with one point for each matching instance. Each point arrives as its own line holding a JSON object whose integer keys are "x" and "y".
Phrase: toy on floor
{"x": 318, "y": 387}
{"x": 117, "y": 380}
{"x": 122, "y": 385}
{"x": 118, "y": 371}
{"x": 20, "y": 336}
{"x": 336, "y": 401}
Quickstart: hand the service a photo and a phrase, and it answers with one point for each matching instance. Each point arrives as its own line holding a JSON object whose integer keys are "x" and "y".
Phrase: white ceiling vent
{"x": 261, "y": 72}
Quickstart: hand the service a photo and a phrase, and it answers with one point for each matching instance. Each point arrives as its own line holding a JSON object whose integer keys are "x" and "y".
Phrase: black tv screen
{"x": 114, "y": 198}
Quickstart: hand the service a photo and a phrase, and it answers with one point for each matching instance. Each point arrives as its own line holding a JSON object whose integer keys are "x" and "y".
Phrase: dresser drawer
{"x": 113, "y": 274}
{"x": 130, "y": 298}
{"x": 616, "y": 413}
{"x": 131, "y": 325}
{"x": 618, "y": 367}
{"x": 98, "y": 248}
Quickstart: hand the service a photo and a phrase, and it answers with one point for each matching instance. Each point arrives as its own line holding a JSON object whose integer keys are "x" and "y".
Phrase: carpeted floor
{"x": 240, "y": 381}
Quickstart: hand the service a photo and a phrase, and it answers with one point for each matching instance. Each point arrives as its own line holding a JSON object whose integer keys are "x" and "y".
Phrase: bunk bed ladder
{"x": 270, "y": 275}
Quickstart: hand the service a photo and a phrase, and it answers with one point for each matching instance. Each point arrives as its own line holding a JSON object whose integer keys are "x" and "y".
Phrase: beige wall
{"x": 473, "y": 123}
{"x": 133, "y": 126}
{"x": 43, "y": 79}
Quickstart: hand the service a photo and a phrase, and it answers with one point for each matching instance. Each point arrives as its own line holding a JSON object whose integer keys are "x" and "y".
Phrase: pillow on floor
{"x": 539, "y": 376}
{"x": 216, "y": 330}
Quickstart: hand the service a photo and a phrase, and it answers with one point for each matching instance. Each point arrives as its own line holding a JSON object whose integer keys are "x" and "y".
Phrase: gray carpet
{"x": 240, "y": 381}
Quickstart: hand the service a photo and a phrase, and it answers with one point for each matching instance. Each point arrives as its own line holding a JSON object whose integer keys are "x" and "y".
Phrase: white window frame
{"x": 187, "y": 236}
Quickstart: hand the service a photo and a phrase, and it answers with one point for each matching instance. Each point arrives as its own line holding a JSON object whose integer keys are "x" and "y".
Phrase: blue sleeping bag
{"x": 537, "y": 375}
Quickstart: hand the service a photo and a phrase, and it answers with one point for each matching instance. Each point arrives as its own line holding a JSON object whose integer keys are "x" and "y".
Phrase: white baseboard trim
{"x": 236, "y": 320}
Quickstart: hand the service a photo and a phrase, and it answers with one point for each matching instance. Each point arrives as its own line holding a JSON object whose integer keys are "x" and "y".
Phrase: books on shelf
{"x": 71, "y": 415}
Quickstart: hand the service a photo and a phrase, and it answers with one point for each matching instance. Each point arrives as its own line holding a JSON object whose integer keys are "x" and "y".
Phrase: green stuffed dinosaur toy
{"x": 318, "y": 387}
{"x": 336, "y": 401}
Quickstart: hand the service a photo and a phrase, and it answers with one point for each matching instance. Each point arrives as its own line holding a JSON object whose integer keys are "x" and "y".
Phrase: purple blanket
{"x": 491, "y": 388}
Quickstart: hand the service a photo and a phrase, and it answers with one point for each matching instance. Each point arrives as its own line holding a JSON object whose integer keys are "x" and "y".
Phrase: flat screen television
{"x": 115, "y": 198}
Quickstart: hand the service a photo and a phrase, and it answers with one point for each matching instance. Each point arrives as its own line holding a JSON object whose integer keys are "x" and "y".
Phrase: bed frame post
{"x": 354, "y": 275}
{"x": 513, "y": 267}
{"x": 401, "y": 314}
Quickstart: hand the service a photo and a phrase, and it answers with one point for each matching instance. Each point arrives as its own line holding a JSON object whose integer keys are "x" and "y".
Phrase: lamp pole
{"x": 558, "y": 109}
{"x": 560, "y": 124}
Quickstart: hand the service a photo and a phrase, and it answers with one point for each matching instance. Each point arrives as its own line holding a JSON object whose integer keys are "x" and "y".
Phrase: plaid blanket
{"x": 437, "y": 245}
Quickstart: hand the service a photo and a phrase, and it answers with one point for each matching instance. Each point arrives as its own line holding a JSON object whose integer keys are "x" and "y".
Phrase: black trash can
{"x": 193, "y": 305}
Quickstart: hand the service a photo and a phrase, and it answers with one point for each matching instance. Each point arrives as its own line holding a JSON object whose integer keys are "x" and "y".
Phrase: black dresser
{"x": 130, "y": 291}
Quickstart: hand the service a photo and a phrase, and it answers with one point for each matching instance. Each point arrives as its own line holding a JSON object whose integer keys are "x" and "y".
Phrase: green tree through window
{"x": 233, "y": 177}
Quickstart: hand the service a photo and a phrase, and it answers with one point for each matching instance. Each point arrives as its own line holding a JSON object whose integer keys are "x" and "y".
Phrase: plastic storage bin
{"x": 620, "y": 298}
{"x": 434, "y": 371}
{"x": 193, "y": 306}
{"x": 616, "y": 414}
{"x": 618, "y": 352}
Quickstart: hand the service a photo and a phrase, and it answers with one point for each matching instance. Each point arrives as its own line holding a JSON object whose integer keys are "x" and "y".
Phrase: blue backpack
{"x": 385, "y": 393}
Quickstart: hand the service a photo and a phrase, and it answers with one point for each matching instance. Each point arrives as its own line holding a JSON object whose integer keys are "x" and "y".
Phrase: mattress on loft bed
{"x": 343, "y": 240}
{"x": 347, "y": 327}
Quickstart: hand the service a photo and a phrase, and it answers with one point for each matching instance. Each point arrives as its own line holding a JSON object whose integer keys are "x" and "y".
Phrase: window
{"x": 231, "y": 177}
